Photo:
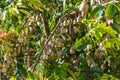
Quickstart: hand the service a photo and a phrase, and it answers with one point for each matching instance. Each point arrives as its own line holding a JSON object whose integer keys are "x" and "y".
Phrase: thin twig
{"x": 110, "y": 3}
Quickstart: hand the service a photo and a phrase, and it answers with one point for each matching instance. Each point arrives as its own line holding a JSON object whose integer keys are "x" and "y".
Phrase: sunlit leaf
{"x": 106, "y": 29}
{"x": 97, "y": 12}
{"x": 71, "y": 73}
{"x": 107, "y": 76}
{"x": 24, "y": 12}
{"x": 38, "y": 5}
{"x": 12, "y": 78}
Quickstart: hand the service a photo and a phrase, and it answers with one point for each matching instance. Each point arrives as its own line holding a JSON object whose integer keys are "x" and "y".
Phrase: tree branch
{"x": 110, "y": 2}
{"x": 49, "y": 38}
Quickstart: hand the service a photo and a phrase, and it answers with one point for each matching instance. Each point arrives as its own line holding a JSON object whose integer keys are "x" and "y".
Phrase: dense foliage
{"x": 59, "y": 39}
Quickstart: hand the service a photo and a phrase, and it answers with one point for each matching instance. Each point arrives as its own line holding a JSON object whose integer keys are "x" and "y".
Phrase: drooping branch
{"x": 51, "y": 35}
{"x": 114, "y": 1}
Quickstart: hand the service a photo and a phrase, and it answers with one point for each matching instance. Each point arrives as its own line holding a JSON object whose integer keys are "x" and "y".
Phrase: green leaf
{"x": 97, "y": 12}
{"x": 116, "y": 27}
{"x": 38, "y": 5}
{"x": 71, "y": 73}
{"x": 96, "y": 69}
{"x": 24, "y": 12}
{"x": 64, "y": 5}
{"x": 7, "y": 25}
{"x": 106, "y": 77}
{"x": 30, "y": 75}
{"x": 105, "y": 29}
{"x": 64, "y": 51}
{"x": 82, "y": 76}
{"x": 117, "y": 19}
{"x": 83, "y": 46}
{"x": 110, "y": 11}
{"x": 97, "y": 35}
{"x": 107, "y": 44}
{"x": 82, "y": 41}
